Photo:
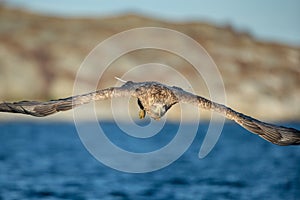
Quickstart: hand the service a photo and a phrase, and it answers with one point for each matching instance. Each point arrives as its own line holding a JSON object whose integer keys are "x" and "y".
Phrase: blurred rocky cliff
{"x": 40, "y": 56}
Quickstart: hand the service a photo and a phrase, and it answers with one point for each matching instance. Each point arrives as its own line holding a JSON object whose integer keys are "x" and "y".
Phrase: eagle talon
{"x": 142, "y": 114}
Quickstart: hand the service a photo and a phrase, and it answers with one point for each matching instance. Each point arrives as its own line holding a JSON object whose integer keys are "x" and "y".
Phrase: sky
{"x": 269, "y": 20}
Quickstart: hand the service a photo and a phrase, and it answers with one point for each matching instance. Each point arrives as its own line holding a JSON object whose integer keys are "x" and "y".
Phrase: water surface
{"x": 48, "y": 161}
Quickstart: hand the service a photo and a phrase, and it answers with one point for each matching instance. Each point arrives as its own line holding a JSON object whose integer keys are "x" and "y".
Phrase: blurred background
{"x": 254, "y": 44}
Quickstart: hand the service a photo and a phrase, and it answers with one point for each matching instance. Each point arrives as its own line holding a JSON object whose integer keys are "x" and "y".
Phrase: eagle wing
{"x": 275, "y": 134}
{"x": 42, "y": 109}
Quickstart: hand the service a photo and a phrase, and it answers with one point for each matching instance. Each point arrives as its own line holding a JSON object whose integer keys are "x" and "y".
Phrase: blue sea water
{"x": 48, "y": 161}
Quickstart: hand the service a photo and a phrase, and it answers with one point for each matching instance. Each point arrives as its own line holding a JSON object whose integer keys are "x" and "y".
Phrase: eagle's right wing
{"x": 42, "y": 109}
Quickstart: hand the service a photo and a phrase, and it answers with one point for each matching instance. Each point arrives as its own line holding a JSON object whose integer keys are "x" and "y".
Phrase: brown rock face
{"x": 40, "y": 56}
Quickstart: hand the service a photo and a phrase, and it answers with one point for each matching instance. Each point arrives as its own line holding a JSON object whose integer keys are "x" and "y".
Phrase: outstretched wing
{"x": 41, "y": 109}
{"x": 275, "y": 134}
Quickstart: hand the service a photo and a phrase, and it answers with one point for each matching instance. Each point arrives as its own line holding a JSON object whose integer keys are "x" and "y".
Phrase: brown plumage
{"x": 155, "y": 99}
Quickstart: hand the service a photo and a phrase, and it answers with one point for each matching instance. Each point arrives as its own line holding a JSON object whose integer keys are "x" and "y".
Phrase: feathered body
{"x": 155, "y": 99}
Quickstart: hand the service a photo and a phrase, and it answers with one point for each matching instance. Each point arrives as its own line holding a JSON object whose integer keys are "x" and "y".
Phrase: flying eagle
{"x": 155, "y": 99}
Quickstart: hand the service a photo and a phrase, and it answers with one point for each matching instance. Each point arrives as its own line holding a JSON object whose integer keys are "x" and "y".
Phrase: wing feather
{"x": 42, "y": 109}
{"x": 275, "y": 134}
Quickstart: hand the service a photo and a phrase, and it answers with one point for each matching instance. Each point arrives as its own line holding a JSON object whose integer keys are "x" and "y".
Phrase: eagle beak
{"x": 142, "y": 114}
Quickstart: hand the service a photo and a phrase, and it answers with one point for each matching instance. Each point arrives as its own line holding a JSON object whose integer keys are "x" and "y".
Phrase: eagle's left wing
{"x": 279, "y": 135}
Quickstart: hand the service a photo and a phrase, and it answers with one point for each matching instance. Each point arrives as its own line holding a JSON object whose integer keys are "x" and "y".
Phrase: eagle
{"x": 155, "y": 99}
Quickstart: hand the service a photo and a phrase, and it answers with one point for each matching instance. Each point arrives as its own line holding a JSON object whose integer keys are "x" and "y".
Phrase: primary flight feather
{"x": 155, "y": 99}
